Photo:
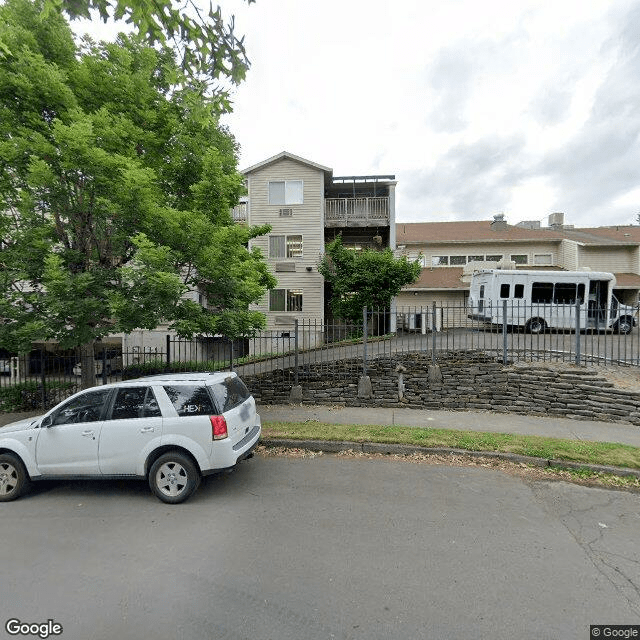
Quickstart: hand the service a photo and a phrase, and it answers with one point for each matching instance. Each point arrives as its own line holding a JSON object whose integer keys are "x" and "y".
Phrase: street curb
{"x": 334, "y": 446}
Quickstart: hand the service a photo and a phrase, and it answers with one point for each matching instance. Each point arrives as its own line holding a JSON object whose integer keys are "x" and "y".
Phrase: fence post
{"x": 434, "y": 319}
{"x": 295, "y": 375}
{"x": 43, "y": 380}
{"x": 578, "y": 345}
{"x": 504, "y": 333}
{"x": 104, "y": 365}
{"x": 168, "y": 350}
{"x": 364, "y": 340}
{"x": 231, "y": 340}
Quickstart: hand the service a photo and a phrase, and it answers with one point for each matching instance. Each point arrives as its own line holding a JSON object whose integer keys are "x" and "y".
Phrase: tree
{"x": 207, "y": 47}
{"x": 115, "y": 194}
{"x": 368, "y": 278}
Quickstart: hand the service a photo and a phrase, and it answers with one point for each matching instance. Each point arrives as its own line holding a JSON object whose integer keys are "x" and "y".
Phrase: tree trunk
{"x": 87, "y": 362}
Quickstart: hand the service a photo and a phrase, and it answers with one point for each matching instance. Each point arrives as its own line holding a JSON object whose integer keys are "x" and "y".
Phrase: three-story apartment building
{"x": 307, "y": 206}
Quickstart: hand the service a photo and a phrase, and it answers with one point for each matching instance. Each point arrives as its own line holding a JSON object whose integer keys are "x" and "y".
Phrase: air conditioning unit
{"x": 285, "y": 213}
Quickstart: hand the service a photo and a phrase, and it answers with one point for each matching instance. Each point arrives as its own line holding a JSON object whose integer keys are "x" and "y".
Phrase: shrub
{"x": 27, "y": 396}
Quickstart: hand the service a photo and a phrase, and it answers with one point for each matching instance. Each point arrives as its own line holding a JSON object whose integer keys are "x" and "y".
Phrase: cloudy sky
{"x": 523, "y": 107}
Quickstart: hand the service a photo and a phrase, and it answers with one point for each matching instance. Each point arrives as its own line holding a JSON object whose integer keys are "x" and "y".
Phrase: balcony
{"x": 356, "y": 212}
{"x": 239, "y": 212}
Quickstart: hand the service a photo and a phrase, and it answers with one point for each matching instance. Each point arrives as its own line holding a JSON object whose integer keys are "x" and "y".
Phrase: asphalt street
{"x": 324, "y": 547}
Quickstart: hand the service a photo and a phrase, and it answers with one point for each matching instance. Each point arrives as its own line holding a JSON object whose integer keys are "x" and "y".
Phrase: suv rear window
{"x": 230, "y": 393}
{"x": 191, "y": 400}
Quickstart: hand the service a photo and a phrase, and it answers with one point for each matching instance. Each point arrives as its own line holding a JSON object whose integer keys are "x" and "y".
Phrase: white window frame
{"x": 537, "y": 256}
{"x": 288, "y": 244}
{"x": 292, "y": 192}
{"x": 435, "y": 261}
{"x": 288, "y": 299}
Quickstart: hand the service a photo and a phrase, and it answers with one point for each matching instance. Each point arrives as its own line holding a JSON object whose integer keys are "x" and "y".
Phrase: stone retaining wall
{"x": 464, "y": 380}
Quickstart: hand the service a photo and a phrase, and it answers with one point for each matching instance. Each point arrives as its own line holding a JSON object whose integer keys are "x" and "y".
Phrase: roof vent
{"x": 556, "y": 220}
{"x": 499, "y": 222}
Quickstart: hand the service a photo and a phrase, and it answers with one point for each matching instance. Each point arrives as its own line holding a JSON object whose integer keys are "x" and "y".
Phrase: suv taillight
{"x": 218, "y": 427}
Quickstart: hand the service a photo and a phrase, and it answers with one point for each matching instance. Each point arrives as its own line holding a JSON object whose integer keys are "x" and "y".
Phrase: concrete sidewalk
{"x": 458, "y": 420}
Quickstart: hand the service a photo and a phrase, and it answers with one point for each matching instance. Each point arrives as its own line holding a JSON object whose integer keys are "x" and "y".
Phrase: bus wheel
{"x": 536, "y": 325}
{"x": 624, "y": 325}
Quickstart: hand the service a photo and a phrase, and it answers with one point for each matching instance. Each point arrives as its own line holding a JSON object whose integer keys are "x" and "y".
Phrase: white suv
{"x": 171, "y": 429}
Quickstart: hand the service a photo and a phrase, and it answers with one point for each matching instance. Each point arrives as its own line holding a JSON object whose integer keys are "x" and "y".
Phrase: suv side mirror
{"x": 46, "y": 422}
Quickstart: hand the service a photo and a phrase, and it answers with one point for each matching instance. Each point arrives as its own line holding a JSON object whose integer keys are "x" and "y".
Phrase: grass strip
{"x": 603, "y": 453}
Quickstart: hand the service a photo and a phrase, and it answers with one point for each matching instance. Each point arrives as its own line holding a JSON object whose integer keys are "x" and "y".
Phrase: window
{"x": 518, "y": 291}
{"x": 85, "y": 408}
{"x": 541, "y": 292}
{"x": 285, "y": 192}
{"x": 505, "y": 290}
{"x": 542, "y": 258}
{"x": 285, "y": 300}
{"x": 285, "y": 246}
{"x": 520, "y": 258}
{"x": 493, "y": 257}
{"x": 482, "y": 291}
{"x": 564, "y": 293}
{"x": 191, "y": 400}
{"x": 439, "y": 261}
{"x": 231, "y": 393}
{"x": 135, "y": 402}
{"x": 457, "y": 260}
{"x": 475, "y": 258}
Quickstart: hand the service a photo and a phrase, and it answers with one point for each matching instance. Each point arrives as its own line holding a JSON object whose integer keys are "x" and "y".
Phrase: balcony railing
{"x": 239, "y": 212}
{"x": 356, "y": 212}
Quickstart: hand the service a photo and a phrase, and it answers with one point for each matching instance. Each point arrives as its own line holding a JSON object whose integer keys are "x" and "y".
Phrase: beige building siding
{"x": 467, "y": 249}
{"x": 307, "y": 220}
{"x": 613, "y": 259}
{"x": 569, "y": 255}
{"x": 450, "y": 306}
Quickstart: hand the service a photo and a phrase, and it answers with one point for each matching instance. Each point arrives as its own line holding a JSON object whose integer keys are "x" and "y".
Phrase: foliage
{"x": 115, "y": 193}
{"x": 206, "y": 45}
{"x": 368, "y": 278}
{"x": 26, "y": 396}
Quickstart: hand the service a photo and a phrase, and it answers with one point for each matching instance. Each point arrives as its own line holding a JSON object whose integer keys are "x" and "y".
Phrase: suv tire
{"x": 14, "y": 479}
{"x": 173, "y": 477}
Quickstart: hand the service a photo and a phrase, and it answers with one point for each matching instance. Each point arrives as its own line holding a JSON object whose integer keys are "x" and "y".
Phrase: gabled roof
{"x": 470, "y": 231}
{"x": 288, "y": 156}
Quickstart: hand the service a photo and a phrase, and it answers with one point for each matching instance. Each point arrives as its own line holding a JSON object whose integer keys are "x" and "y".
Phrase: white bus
{"x": 540, "y": 300}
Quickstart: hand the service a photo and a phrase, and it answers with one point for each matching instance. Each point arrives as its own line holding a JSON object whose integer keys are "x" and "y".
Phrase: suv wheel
{"x": 14, "y": 479}
{"x": 173, "y": 477}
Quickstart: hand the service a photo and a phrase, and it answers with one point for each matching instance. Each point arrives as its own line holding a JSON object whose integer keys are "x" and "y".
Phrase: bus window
{"x": 541, "y": 292}
{"x": 518, "y": 291}
{"x": 504, "y": 290}
{"x": 564, "y": 293}
{"x": 581, "y": 293}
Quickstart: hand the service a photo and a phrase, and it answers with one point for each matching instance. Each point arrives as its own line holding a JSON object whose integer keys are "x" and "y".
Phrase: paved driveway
{"x": 328, "y": 547}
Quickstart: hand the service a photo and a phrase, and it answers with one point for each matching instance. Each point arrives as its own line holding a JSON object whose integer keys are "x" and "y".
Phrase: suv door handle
{"x": 87, "y": 434}
{"x": 146, "y": 429}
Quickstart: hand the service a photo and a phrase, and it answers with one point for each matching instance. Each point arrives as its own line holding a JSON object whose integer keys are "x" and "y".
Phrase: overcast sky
{"x": 524, "y": 107}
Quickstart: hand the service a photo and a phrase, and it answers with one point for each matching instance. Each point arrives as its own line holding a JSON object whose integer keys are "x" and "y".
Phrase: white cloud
{"x": 525, "y": 107}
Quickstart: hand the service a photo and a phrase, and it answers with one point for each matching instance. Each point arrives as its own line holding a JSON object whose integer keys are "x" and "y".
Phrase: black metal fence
{"x": 336, "y": 349}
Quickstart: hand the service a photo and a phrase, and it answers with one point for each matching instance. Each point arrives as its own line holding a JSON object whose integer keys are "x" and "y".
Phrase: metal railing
{"x": 313, "y": 350}
{"x": 346, "y": 211}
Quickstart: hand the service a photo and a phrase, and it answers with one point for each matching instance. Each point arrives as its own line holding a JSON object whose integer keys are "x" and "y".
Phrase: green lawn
{"x": 604, "y": 453}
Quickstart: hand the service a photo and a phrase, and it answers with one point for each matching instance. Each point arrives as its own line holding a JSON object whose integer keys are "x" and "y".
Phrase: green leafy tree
{"x": 115, "y": 194}
{"x": 208, "y": 49}
{"x": 367, "y": 278}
